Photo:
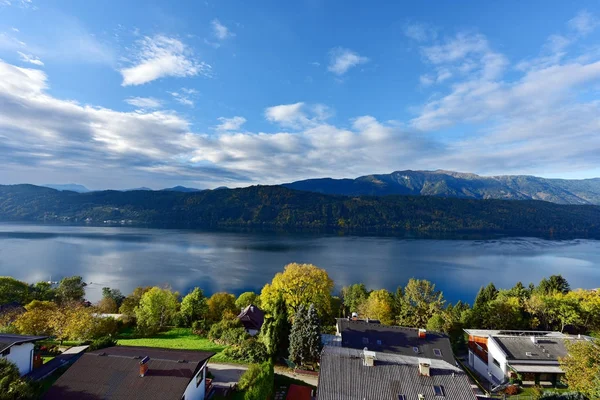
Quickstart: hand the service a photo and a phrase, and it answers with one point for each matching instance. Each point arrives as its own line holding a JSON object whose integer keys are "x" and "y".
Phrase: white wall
{"x": 494, "y": 352}
{"x": 22, "y": 355}
{"x": 197, "y": 393}
{"x": 252, "y": 332}
{"x": 478, "y": 364}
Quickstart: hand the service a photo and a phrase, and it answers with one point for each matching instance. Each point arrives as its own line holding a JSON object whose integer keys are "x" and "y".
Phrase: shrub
{"x": 258, "y": 381}
{"x": 250, "y": 350}
{"x": 511, "y": 390}
{"x": 563, "y": 396}
{"x": 537, "y": 392}
{"x": 104, "y": 327}
{"x": 249, "y": 377}
{"x": 200, "y": 327}
{"x": 227, "y": 331}
{"x": 102, "y": 343}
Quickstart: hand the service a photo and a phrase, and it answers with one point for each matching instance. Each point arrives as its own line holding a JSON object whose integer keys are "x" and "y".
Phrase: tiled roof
{"x": 394, "y": 339}
{"x": 343, "y": 376}
{"x": 114, "y": 373}
{"x": 252, "y": 317}
{"x": 9, "y": 340}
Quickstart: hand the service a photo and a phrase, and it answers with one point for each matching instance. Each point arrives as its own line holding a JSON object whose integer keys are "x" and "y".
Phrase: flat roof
{"x": 544, "y": 369}
{"x": 8, "y": 340}
{"x": 114, "y": 373}
{"x": 523, "y": 348}
{"x": 395, "y": 339}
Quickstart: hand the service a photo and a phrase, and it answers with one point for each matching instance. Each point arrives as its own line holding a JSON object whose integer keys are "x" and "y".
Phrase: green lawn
{"x": 177, "y": 338}
{"x": 47, "y": 358}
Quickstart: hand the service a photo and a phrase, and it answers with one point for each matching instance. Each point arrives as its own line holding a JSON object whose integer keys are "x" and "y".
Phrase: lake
{"x": 126, "y": 257}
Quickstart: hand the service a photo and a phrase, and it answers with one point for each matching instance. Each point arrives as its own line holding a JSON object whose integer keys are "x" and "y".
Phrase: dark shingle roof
{"x": 517, "y": 347}
{"x": 343, "y": 376}
{"x": 252, "y": 317}
{"x": 114, "y": 373}
{"x": 9, "y": 340}
{"x": 394, "y": 339}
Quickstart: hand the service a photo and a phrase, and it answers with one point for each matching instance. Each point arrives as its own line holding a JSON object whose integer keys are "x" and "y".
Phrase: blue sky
{"x": 119, "y": 94}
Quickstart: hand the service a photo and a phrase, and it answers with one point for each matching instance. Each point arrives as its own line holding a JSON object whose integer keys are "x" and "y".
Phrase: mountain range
{"x": 277, "y": 207}
{"x": 456, "y": 184}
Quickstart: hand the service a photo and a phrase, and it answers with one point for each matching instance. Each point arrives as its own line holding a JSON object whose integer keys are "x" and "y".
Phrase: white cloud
{"x": 583, "y": 23}
{"x": 419, "y": 32}
{"x": 15, "y": 29}
{"x": 161, "y": 56}
{"x": 144, "y": 102}
{"x": 220, "y": 31}
{"x": 230, "y": 124}
{"x": 185, "y": 96}
{"x": 341, "y": 60}
{"x": 30, "y": 59}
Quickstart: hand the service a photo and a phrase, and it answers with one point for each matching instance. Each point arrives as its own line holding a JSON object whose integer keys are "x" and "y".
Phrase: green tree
{"x": 504, "y": 312}
{"x": 13, "y": 290}
{"x": 275, "y": 331}
{"x": 379, "y": 305}
{"x": 43, "y": 291}
{"x": 354, "y": 296}
{"x": 114, "y": 294}
{"x": 107, "y": 305}
{"x": 312, "y": 336}
{"x": 247, "y": 298}
{"x": 71, "y": 289}
{"x": 194, "y": 306}
{"x": 259, "y": 386}
{"x": 554, "y": 284}
{"x": 12, "y": 386}
{"x": 221, "y": 305}
{"x": 582, "y": 367}
{"x": 156, "y": 310}
{"x": 299, "y": 284}
{"x": 131, "y": 302}
{"x": 419, "y": 303}
{"x": 297, "y": 348}
{"x": 36, "y": 320}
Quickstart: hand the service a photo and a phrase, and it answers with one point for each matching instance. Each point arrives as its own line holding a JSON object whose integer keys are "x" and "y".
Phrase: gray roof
{"x": 547, "y": 348}
{"x": 252, "y": 317}
{"x": 343, "y": 376}
{"x": 9, "y": 340}
{"x": 394, "y": 339}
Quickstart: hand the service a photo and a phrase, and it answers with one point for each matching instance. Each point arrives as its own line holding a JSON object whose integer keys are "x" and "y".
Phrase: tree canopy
{"x": 379, "y": 305}
{"x": 419, "y": 302}
{"x": 156, "y": 310}
{"x": 71, "y": 288}
{"x": 194, "y": 306}
{"x": 247, "y": 298}
{"x": 221, "y": 305}
{"x": 582, "y": 367}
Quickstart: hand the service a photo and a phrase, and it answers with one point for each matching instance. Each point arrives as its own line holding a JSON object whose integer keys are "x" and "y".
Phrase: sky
{"x": 123, "y": 94}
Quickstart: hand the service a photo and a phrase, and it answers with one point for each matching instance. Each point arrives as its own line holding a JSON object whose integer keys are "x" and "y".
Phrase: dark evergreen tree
{"x": 297, "y": 347}
{"x": 275, "y": 332}
{"x": 312, "y": 335}
{"x": 554, "y": 284}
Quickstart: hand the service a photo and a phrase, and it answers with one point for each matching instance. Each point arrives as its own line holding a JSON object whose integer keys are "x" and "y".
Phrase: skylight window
{"x": 365, "y": 340}
{"x": 437, "y": 352}
{"x": 439, "y": 390}
{"x": 416, "y": 350}
{"x": 401, "y": 397}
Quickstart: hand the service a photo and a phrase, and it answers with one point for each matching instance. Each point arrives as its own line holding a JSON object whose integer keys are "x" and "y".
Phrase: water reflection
{"x": 128, "y": 257}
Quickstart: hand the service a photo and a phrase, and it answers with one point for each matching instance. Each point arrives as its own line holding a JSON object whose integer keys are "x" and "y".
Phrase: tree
{"x": 194, "y": 306}
{"x": 379, "y": 305}
{"x": 71, "y": 289}
{"x": 72, "y": 321}
{"x": 156, "y": 310}
{"x": 419, "y": 303}
{"x": 221, "y": 304}
{"x": 564, "y": 309}
{"x": 354, "y": 296}
{"x": 504, "y": 312}
{"x": 312, "y": 336}
{"x": 37, "y": 319}
{"x": 13, "y": 291}
{"x": 259, "y": 383}
{"x": 43, "y": 291}
{"x": 554, "y": 284}
{"x": 275, "y": 331}
{"x": 297, "y": 348}
{"x": 300, "y": 285}
{"x": 132, "y": 301}
{"x": 582, "y": 367}
{"x": 12, "y": 386}
{"x": 247, "y": 298}
{"x": 107, "y": 305}
{"x": 114, "y": 294}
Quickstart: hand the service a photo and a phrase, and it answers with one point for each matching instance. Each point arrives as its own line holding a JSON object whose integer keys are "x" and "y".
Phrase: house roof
{"x": 394, "y": 339}
{"x": 9, "y": 340}
{"x": 343, "y": 376}
{"x": 523, "y": 348}
{"x": 252, "y": 317}
{"x": 299, "y": 392}
{"x": 114, "y": 373}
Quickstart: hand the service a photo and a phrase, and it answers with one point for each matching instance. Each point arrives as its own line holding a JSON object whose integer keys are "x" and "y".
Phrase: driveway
{"x": 226, "y": 375}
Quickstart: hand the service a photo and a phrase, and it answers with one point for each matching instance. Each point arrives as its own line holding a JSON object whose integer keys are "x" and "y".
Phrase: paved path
{"x": 227, "y": 374}
{"x": 310, "y": 379}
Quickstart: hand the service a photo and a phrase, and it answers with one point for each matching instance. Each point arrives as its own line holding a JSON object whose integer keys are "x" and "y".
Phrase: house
{"x": 128, "y": 373}
{"x": 497, "y": 355}
{"x": 252, "y": 318}
{"x": 361, "y": 334}
{"x": 353, "y": 374}
{"x": 19, "y": 350}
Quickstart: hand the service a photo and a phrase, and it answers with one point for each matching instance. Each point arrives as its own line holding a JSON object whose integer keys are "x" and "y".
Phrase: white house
{"x": 19, "y": 350}
{"x": 534, "y": 355}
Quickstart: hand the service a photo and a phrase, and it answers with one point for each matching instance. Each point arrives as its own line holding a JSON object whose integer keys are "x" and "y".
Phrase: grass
{"x": 177, "y": 338}
{"x": 45, "y": 359}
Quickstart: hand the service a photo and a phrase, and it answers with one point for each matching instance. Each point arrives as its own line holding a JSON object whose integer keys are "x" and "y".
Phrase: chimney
{"x": 422, "y": 333}
{"x": 533, "y": 340}
{"x": 370, "y": 357}
{"x": 354, "y": 316}
{"x": 144, "y": 366}
{"x": 424, "y": 365}
{"x": 251, "y": 308}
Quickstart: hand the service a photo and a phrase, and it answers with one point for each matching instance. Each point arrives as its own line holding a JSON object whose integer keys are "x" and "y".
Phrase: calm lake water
{"x": 123, "y": 257}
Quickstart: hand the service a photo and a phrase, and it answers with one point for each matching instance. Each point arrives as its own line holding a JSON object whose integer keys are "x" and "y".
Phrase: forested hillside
{"x": 278, "y": 207}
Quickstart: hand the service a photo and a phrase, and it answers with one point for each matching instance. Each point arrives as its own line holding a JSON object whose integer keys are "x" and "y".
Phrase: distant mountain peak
{"x": 73, "y": 187}
{"x": 183, "y": 189}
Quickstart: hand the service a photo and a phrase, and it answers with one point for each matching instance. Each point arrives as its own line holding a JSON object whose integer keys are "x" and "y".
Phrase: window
{"x": 379, "y": 342}
{"x": 401, "y": 397}
{"x": 496, "y": 363}
{"x": 365, "y": 340}
{"x": 439, "y": 390}
{"x": 5, "y": 352}
{"x": 437, "y": 352}
{"x": 200, "y": 377}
